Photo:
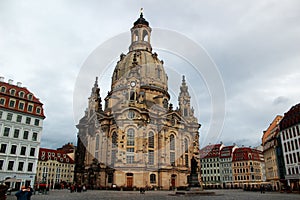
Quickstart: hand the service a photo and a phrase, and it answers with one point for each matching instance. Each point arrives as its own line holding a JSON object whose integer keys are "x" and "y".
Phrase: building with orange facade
{"x": 247, "y": 167}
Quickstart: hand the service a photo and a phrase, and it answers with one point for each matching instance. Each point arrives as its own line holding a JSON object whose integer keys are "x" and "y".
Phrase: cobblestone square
{"x": 157, "y": 195}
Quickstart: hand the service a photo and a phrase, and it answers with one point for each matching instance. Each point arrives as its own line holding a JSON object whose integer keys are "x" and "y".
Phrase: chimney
{"x": 1, "y": 79}
{"x": 10, "y": 81}
{"x": 19, "y": 84}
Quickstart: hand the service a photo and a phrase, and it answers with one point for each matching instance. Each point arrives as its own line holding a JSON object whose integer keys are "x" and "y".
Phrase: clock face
{"x": 184, "y": 101}
{"x": 132, "y": 83}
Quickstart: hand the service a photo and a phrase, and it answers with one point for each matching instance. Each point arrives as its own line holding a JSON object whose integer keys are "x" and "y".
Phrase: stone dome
{"x": 142, "y": 65}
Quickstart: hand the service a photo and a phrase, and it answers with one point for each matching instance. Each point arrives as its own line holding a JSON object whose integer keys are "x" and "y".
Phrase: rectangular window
{"x": 28, "y": 120}
{"x": 23, "y": 151}
{"x": 21, "y": 165}
{"x": 9, "y": 116}
{"x": 172, "y": 158}
{"x": 19, "y": 118}
{"x": 16, "y": 133}
{"x": 32, "y": 151}
{"x": 186, "y": 160}
{"x": 151, "y": 157}
{"x": 25, "y": 136}
{"x": 30, "y": 108}
{"x": 1, "y": 164}
{"x": 30, "y": 167}
{"x": 36, "y": 122}
{"x": 34, "y": 136}
{"x": 129, "y": 159}
{"x": 6, "y": 131}
{"x": 21, "y": 105}
{"x": 113, "y": 156}
{"x": 110, "y": 178}
{"x": 10, "y": 165}
{"x": 1, "y": 113}
{"x": 3, "y": 148}
{"x": 2, "y": 101}
{"x": 12, "y": 103}
{"x": 13, "y": 149}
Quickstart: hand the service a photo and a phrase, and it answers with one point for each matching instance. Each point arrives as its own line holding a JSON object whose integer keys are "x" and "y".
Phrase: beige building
{"x": 55, "y": 168}
{"x": 247, "y": 164}
{"x": 138, "y": 139}
{"x": 269, "y": 143}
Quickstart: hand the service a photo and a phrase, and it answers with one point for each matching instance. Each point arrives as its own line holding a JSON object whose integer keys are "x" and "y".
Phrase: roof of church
{"x": 141, "y": 20}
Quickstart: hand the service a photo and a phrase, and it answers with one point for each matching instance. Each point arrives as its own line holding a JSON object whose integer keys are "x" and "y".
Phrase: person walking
{"x": 23, "y": 193}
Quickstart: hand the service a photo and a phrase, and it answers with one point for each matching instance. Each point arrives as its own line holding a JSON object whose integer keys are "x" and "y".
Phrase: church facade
{"x": 136, "y": 138}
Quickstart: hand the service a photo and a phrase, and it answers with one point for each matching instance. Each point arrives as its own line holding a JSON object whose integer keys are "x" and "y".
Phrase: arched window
{"x": 12, "y": 92}
{"x": 130, "y": 137}
{"x": 3, "y": 89}
{"x": 114, "y": 140}
{"x": 172, "y": 142}
{"x": 172, "y": 150}
{"x": 21, "y": 94}
{"x": 145, "y": 36}
{"x": 151, "y": 140}
{"x": 135, "y": 36}
{"x": 165, "y": 103}
{"x": 97, "y": 141}
{"x": 152, "y": 178}
{"x": 30, "y": 96}
{"x": 186, "y": 145}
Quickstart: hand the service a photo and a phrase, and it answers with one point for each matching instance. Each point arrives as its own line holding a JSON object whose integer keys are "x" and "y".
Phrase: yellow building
{"x": 55, "y": 168}
{"x": 138, "y": 139}
{"x": 269, "y": 142}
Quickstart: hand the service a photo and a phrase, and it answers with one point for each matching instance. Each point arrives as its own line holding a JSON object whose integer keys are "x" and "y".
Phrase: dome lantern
{"x": 140, "y": 34}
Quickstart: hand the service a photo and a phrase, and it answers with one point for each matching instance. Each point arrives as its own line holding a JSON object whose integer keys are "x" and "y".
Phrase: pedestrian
{"x": 23, "y": 193}
{"x": 31, "y": 192}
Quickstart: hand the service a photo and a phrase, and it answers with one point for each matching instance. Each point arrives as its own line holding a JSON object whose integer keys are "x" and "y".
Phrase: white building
{"x": 226, "y": 165}
{"x": 290, "y": 137}
{"x": 21, "y": 123}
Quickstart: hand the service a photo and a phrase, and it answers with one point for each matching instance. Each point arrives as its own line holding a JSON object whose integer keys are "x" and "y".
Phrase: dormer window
{"x": 21, "y": 94}
{"x": 30, "y": 96}
{"x": 38, "y": 110}
{"x": 12, "y": 92}
{"x": 3, "y": 89}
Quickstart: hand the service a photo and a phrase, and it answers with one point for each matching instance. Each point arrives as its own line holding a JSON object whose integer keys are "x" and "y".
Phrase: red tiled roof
{"x": 246, "y": 153}
{"x": 291, "y": 118}
{"x": 226, "y": 152}
{"x": 18, "y": 90}
{"x": 210, "y": 151}
{"x": 52, "y": 154}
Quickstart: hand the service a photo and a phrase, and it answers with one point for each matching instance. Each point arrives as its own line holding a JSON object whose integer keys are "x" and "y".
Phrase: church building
{"x": 135, "y": 138}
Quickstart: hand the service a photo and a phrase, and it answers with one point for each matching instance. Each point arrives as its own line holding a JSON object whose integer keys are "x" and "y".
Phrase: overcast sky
{"x": 255, "y": 45}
